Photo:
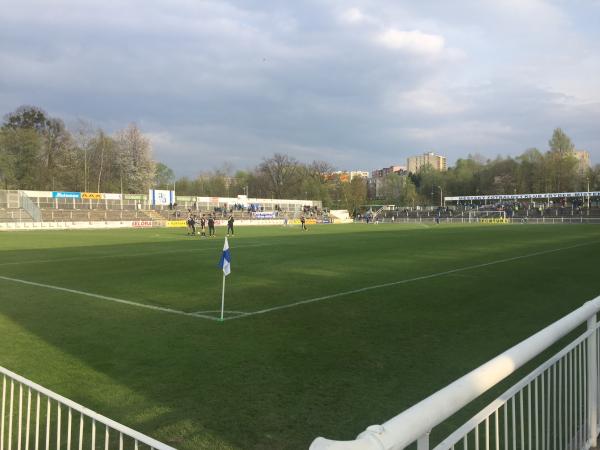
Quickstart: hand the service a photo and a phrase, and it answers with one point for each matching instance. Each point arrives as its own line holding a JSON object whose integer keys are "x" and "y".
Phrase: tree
{"x": 19, "y": 157}
{"x": 136, "y": 167}
{"x": 353, "y": 194}
{"x": 163, "y": 176}
{"x": 562, "y": 162}
{"x": 56, "y": 144}
{"x": 316, "y": 182}
{"x": 83, "y": 137}
{"x": 28, "y": 117}
{"x": 282, "y": 173}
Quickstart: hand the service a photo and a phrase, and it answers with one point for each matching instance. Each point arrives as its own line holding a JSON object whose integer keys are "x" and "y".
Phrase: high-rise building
{"x": 437, "y": 162}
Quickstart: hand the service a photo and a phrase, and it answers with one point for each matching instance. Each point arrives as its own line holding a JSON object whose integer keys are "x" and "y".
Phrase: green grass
{"x": 279, "y": 379}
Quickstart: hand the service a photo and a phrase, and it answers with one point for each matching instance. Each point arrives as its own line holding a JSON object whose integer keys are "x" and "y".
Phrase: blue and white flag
{"x": 225, "y": 262}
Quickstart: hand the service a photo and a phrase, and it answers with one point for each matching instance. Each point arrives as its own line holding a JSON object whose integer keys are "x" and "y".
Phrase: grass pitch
{"x": 328, "y": 331}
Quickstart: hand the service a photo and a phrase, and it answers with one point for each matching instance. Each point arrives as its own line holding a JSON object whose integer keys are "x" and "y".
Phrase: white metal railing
{"x": 27, "y": 204}
{"x": 514, "y": 220}
{"x": 554, "y": 407}
{"x": 33, "y": 417}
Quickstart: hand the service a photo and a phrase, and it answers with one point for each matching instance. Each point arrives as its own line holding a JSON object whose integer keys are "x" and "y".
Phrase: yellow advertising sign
{"x": 91, "y": 195}
{"x": 494, "y": 220}
{"x": 176, "y": 223}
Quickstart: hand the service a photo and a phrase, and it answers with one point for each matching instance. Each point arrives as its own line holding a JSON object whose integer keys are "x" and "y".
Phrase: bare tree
{"x": 282, "y": 173}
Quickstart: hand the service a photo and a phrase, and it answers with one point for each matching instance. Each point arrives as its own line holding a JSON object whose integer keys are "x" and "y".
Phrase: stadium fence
{"x": 33, "y": 417}
{"x": 515, "y": 220}
{"x": 553, "y": 407}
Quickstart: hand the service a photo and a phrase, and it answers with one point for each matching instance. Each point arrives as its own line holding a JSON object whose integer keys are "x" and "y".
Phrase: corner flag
{"x": 225, "y": 262}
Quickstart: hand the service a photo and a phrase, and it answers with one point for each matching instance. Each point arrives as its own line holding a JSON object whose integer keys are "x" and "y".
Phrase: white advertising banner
{"x": 524, "y": 196}
{"x": 161, "y": 197}
{"x": 111, "y": 196}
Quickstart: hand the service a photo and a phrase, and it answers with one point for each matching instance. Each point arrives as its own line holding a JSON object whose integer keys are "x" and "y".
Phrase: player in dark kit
{"x": 191, "y": 223}
{"x": 303, "y": 223}
{"x": 211, "y": 226}
{"x": 230, "y": 225}
{"x": 202, "y": 226}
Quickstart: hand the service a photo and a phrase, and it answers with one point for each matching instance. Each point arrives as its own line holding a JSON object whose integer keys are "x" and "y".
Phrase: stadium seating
{"x": 92, "y": 215}
{"x": 14, "y": 215}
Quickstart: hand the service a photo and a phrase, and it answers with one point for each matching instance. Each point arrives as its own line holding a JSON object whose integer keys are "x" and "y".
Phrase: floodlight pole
{"x": 441, "y": 196}
{"x": 588, "y": 202}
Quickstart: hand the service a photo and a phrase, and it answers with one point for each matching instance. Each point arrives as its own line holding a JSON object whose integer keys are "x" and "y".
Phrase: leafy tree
{"x": 561, "y": 163}
{"x": 19, "y": 157}
{"x": 163, "y": 176}
{"x": 53, "y": 154}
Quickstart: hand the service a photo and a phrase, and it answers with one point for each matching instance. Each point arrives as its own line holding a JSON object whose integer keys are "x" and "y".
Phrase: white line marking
{"x": 104, "y": 297}
{"x": 409, "y": 280}
{"x": 218, "y": 311}
{"x": 127, "y": 255}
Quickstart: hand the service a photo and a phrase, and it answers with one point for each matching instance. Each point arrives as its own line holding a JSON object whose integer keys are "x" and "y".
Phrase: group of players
{"x": 192, "y": 220}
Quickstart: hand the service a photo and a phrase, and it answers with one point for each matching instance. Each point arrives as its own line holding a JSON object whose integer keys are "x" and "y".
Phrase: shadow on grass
{"x": 279, "y": 380}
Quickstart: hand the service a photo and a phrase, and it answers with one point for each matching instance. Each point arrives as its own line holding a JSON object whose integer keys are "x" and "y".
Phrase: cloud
{"x": 354, "y": 16}
{"x": 415, "y": 42}
{"x": 362, "y": 85}
{"x": 425, "y": 101}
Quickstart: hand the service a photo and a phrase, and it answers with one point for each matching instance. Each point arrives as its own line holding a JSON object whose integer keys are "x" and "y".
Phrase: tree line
{"x": 533, "y": 171}
{"x": 38, "y": 152}
{"x": 282, "y": 176}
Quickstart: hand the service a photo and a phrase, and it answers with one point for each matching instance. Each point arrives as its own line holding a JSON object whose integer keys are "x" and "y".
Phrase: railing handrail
{"x": 513, "y": 390}
{"x": 28, "y": 205}
{"x": 418, "y": 420}
{"x": 87, "y": 412}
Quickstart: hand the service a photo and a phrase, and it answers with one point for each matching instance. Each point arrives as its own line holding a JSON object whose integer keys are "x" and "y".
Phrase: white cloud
{"x": 414, "y": 41}
{"x": 354, "y": 16}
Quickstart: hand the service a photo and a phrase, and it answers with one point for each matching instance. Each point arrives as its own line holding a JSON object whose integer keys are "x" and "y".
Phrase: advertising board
{"x": 56, "y": 194}
{"x": 176, "y": 224}
{"x": 91, "y": 196}
{"x": 141, "y": 224}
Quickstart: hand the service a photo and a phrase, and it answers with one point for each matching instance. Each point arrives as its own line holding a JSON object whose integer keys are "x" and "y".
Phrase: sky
{"x": 360, "y": 84}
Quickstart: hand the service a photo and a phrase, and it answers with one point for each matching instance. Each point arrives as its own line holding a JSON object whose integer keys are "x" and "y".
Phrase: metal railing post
{"x": 592, "y": 378}
{"x": 423, "y": 442}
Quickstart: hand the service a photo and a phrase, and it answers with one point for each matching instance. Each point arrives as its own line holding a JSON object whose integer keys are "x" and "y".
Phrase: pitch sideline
{"x": 110, "y": 299}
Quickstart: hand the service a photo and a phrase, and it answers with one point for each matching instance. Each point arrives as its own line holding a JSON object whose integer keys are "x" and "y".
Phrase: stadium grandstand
{"x": 563, "y": 207}
{"x": 33, "y": 209}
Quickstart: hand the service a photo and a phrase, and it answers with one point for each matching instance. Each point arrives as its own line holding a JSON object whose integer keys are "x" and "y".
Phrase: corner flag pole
{"x": 225, "y": 265}
{"x": 223, "y": 298}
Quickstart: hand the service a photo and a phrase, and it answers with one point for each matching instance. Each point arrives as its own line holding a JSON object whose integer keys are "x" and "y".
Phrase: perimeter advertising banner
{"x": 176, "y": 224}
{"x": 524, "y": 196}
{"x": 141, "y": 224}
{"x": 265, "y": 215}
{"x": 114, "y": 196}
{"x": 66, "y": 194}
{"x": 81, "y": 195}
{"x": 91, "y": 196}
